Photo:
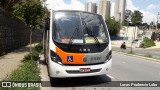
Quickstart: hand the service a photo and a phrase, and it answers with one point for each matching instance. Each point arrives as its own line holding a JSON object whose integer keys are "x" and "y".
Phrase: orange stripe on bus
{"x": 77, "y": 57}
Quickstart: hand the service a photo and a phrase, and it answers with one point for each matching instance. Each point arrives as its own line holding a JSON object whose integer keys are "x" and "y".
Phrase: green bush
{"x": 35, "y": 53}
{"x": 147, "y": 43}
{"x": 39, "y": 47}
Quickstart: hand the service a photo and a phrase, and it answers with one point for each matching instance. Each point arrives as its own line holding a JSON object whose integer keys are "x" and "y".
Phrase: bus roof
{"x": 73, "y": 11}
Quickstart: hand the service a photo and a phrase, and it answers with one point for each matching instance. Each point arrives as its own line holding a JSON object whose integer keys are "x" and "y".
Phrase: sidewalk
{"x": 11, "y": 61}
{"x": 154, "y": 47}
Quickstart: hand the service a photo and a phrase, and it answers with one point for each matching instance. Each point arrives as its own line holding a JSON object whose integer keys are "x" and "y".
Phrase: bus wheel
{"x": 53, "y": 80}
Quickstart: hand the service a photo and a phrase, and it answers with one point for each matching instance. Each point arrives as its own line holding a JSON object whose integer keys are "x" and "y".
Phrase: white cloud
{"x": 152, "y": 6}
{"x": 61, "y": 5}
{"x": 92, "y": 1}
{"x": 131, "y": 6}
{"x": 147, "y": 15}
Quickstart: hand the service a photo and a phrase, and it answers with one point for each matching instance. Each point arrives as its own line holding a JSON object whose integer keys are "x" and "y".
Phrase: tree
{"x": 128, "y": 14}
{"x": 8, "y": 4}
{"x": 158, "y": 25}
{"x": 152, "y": 25}
{"x": 113, "y": 26}
{"x": 136, "y": 18}
{"x": 145, "y": 25}
{"x": 125, "y": 23}
{"x": 31, "y": 13}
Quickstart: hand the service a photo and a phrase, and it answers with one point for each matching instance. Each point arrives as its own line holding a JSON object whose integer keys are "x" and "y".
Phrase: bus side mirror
{"x": 47, "y": 24}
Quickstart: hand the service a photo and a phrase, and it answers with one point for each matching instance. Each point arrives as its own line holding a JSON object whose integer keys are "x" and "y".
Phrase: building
{"x": 119, "y": 10}
{"x": 104, "y": 8}
{"x": 90, "y": 7}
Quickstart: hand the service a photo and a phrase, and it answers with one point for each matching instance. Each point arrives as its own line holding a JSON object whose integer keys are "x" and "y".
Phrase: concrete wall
{"x": 130, "y": 32}
{"x": 118, "y": 43}
{"x": 134, "y": 32}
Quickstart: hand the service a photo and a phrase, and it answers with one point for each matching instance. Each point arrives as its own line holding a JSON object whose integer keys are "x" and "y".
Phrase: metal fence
{"x": 14, "y": 33}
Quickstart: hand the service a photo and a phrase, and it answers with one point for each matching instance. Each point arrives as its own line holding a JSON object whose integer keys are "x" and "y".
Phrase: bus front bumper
{"x": 64, "y": 71}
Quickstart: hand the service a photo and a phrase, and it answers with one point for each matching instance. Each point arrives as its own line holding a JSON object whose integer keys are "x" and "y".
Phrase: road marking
{"x": 110, "y": 76}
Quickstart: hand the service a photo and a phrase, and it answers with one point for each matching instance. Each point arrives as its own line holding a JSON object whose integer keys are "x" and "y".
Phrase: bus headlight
{"x": 55, "y": 57}
{"x": 109, "y": 56}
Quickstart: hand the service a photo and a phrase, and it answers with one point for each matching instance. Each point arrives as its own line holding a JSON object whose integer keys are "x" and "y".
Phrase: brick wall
{"x": 14, "y": 33}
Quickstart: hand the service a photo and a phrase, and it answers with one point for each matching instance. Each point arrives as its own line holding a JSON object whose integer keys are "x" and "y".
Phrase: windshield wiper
{"x": 73, "y": 36}
{"x": 90, "y": 33}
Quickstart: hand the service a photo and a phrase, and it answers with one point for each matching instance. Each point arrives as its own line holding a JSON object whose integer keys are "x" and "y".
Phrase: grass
{"x": 148, "y": 56}
{"x": 157, "y": 58}
{"x": 131, "y": 53}
{"x": 35, "y": 53}
{"x": 28, "y": 71}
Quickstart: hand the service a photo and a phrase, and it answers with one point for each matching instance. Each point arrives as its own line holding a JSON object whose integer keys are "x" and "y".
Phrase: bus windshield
{"x": 79, "y": 28}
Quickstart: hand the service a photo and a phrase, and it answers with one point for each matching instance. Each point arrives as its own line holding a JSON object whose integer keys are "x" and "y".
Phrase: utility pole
{"x": 157, "y": 21}
{"x": 128, "y": 17}
{"x": 136, "y": 30}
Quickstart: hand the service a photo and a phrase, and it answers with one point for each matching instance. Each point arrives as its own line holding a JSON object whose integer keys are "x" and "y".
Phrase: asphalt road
{"x": 153, "y": 52}
{"x": 128, "y": 68}
{"x": 125, "y": 68}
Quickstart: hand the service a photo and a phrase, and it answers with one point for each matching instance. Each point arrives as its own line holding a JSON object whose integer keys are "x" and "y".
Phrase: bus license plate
{"x": 85, "y": 69}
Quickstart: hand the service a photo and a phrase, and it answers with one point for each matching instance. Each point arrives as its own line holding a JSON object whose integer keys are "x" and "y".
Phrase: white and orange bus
{"x": 77, "y": 44}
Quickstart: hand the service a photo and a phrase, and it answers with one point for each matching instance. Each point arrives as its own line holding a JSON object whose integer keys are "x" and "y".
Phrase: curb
{"x": 128, "y": 47}
{"x": 146, "y": 58}
{"x": 138, "y": 47}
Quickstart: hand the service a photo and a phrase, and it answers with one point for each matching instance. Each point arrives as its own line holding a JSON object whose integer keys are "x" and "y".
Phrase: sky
{"x": 149, "y": 8}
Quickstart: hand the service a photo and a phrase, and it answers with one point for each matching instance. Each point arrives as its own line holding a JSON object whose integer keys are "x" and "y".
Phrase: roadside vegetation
{"x": 30, "y": 12}
{"x": 148, "y": 56}
{"x": 142, "y": 55}
{"x": 28, "y": 71}
{"x": 147, "y": 43}
{"x": 113, "y": 26}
